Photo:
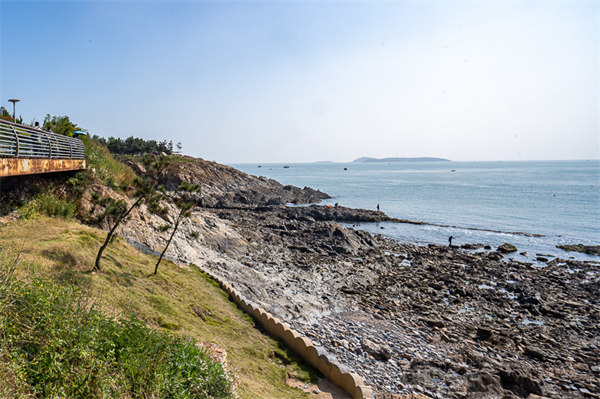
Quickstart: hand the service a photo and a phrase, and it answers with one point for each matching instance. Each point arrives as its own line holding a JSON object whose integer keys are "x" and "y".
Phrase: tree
{"x": 117, "y": 211}
{"x": 185, "y": 206}
{"x": 135, "y": 145}
{"x": 60, "y": 124}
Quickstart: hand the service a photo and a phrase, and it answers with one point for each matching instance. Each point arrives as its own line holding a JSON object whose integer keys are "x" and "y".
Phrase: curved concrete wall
{"x": 316, "y": 356}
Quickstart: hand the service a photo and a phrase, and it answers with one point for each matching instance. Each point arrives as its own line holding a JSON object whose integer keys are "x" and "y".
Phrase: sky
{"x": 306, "y": 81}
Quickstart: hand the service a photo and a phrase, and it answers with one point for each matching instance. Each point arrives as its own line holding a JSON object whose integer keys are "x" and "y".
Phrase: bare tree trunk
{"x": 168, "y": 242}
{"x": 111, "y": 233}
{"x": 103, "y": 247}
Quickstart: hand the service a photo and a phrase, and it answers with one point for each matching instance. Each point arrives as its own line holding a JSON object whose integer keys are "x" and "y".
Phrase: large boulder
{"x": 507, "y": 248}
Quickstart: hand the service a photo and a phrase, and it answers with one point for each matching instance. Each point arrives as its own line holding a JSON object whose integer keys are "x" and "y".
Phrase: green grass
{"x": 55, "y": 344}
{"x": 180, "y": 301}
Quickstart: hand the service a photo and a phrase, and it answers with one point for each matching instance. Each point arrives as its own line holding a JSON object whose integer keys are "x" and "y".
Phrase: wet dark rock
{"x": 588, "y": 249}
{"x": 495, "y": 256}
{"x": 507, "y": 248}
{"x": 471, "y": 246}
{"x": 484, "y": 333}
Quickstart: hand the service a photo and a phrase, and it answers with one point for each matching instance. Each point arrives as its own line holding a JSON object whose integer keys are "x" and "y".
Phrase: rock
{"x": 495, "y": 256}
{"x": 484, "y": 333}
{"x": 385, "y": 352}
{"x": 433, "y": 322}
{"x": 484, "y": 382}
{"x": 520, "y": 377}
{"x": 507, "y": 248}
{"x": 536, "y": 352}
{"x": 377, "y": 351}
{"x": 137, "y": 167}
{"x": 471, "y": 246}
{"x": 588, "y": 249}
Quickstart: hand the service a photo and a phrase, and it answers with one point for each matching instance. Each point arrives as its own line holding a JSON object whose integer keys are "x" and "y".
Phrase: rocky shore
{"x": 437, "y": 321}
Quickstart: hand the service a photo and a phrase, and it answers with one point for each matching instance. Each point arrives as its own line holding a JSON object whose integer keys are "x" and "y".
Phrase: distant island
{"x": 421, "y": 159}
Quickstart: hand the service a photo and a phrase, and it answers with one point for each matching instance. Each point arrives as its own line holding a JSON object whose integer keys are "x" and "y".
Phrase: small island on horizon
{"x": 396, "y": 159}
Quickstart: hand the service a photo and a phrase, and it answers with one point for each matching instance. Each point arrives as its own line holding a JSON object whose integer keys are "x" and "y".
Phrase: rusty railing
{"x": 19, "y": 141}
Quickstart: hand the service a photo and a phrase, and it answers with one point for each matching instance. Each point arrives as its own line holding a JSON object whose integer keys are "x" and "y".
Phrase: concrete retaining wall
{"x": 316, "y": 356}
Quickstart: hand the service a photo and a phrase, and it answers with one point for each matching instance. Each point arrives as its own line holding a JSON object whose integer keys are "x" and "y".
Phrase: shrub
{"x": 54, "y": 206}
{"x": 48, "y": 204}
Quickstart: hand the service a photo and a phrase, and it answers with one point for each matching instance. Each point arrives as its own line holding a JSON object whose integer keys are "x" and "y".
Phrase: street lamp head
{"x": 14, "y": 101}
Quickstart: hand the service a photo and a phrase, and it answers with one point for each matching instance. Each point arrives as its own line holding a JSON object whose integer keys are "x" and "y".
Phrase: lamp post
{"x": 14, "y": 101}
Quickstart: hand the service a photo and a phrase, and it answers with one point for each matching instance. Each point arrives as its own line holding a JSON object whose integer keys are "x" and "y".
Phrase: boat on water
{"x": 286, "y": 167}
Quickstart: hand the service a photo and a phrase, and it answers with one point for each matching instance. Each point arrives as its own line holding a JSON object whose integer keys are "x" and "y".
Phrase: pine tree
{"x": 184, "y": 205}
{"x": 117, "y": 211}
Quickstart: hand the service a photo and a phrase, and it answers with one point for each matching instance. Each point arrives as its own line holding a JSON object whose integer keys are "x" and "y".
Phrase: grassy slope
{"x": 65, "y": 250}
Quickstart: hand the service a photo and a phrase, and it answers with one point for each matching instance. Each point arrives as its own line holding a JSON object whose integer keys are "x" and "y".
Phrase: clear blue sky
{"x": 311, "y": 81}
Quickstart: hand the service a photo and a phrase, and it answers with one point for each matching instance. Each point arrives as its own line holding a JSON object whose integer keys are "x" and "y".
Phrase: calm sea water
{"x": 558, "y": 199}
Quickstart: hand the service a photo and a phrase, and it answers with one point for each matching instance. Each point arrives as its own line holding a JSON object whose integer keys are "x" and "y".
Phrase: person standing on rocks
{"x": 377, "y": 207}
{"x": 450, "y": 241}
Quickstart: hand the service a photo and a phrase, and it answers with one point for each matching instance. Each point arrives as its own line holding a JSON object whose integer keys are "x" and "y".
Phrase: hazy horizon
{"x": 449, "y": 160}
{"x": 309, "y": 81}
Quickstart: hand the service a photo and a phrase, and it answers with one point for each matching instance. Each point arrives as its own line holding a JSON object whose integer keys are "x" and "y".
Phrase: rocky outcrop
{"x": 226, "y": 187}
{"x": 507, "y": 248}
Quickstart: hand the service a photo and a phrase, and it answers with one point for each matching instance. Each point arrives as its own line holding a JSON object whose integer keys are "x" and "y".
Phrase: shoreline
{"x": 478, "y": 317}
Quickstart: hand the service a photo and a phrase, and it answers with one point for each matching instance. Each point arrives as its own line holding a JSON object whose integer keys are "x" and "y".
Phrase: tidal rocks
{"x": 587, "y": 249}
{"x": 453, "y": 320}
{"x": 507, "y": 248}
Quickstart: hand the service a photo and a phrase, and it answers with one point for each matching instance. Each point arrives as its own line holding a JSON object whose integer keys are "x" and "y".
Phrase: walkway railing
{"x": 19, "y": 141}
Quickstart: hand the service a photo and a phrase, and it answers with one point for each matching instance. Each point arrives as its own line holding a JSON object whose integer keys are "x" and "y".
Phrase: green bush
{"x": 48, "y": 204}
{"x": 54, "y": 343}
{"x": 53, "y": 206}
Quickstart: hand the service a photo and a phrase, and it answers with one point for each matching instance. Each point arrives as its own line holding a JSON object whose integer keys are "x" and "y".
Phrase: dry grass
{"x": 182, "y": 300}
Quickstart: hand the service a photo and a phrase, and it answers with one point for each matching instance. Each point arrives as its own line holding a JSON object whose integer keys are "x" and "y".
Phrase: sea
{"x": 534, "y": 205}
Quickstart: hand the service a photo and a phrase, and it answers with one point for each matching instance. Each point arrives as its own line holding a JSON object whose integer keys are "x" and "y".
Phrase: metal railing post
{"x": 16, "y": 138}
